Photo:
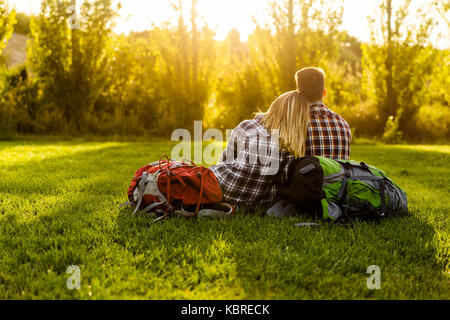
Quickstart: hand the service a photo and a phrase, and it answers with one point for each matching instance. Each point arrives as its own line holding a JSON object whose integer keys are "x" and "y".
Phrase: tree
{"x": 7, "y": 20}
{"x": 298, "y": 35}
{"x": 286, "y": 51}
{"x": 195, "y": 52}
{"x": 398, "y": 63}
{"x": 7, "y": 119}
{"x": 23, "y": 23}
{"x": 278, "y": 46}
{"x": 133, "y": 96}
{"x": 239, "y": 92}
{"x": 185, "y": 58}
{"x": 71, "y": 56}
{"x": 302, "y": 35}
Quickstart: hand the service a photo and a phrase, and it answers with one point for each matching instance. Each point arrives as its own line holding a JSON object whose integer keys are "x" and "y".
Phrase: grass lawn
{"x": 59, "y": 207}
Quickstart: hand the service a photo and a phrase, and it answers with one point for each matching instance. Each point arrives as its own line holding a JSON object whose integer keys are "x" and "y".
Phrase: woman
{"x": 259, "y": 151}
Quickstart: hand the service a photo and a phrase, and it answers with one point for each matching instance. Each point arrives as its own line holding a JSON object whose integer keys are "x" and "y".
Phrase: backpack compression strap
{"x": 141, "y": 191}
{"x": 202, "y": 184}
{"x": 379, "y": 180}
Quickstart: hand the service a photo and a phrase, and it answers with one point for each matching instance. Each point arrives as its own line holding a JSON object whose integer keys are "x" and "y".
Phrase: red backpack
{"x": 168, "y": 186}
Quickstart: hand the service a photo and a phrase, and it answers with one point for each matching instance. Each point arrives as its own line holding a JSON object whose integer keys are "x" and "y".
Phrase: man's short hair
{"x": 311, "y": 82}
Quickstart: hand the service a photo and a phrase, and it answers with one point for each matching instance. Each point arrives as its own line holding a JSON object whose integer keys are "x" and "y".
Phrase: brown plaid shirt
{"x": 247, "y": 174}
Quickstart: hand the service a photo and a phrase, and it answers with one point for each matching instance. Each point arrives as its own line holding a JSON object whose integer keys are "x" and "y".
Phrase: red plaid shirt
{"x": 329, "y": 135}
{"x": 245, "y": 183}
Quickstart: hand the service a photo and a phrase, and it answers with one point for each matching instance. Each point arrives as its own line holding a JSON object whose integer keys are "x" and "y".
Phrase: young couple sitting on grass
{"x": 305, "y": 126}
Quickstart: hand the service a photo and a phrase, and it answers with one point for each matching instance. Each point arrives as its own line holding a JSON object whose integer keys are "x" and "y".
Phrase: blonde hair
{"x": 289, "y": 114}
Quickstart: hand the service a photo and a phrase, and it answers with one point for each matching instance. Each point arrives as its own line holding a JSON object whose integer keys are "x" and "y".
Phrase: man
{"x": 329, "y": 135}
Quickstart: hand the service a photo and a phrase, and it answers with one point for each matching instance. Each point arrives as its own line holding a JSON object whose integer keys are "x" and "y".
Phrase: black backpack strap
{"x": 382, "y": 196}
{"x": 343, "y": 187}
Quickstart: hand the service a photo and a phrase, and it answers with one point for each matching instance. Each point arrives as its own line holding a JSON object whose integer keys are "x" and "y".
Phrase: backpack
{"x": 168, "y": 186}
{"x": 342, "y": 190}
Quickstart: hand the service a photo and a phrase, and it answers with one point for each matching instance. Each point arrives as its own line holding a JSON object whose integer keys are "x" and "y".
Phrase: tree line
{"x": 82, "y": 78}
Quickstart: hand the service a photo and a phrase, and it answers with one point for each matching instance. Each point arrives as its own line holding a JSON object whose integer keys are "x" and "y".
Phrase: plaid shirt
{"x": 247, "y": 172}
{"x": 249, "y": 169}
{"x": 328, "y": 134}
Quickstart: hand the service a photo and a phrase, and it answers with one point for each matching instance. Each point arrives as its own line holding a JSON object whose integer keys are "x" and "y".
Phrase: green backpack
{"x": 343, "y": 190}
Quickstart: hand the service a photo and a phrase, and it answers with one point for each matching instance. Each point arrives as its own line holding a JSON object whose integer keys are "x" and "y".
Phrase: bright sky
{"x": 223, "y": 15}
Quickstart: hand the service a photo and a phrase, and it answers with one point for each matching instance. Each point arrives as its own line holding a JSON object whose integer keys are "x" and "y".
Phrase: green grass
{"x": 59, "y": 207}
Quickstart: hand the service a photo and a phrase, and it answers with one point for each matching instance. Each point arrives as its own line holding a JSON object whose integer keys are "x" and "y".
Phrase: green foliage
{"x": 7, "y": 20}
{"x": 433, "y": 123}
{"x": 239, "y": 91}
{"x": 90, "y": 80}
{"x": 102, "y": 83}
{"x": 71, "y": 64}
{"x": 302, "y": 34}
{"x": 398, "y": 64}
{"x": 21, "y": 94}
{"x": 185, "y": 66}
{"x": 23, "y": 23}
{"x": 154, "y": 84}
{"x": 59, "y": 207}
{"x": 253, "y": 74}
{"x": 8, "y": 123}
{"x": 363, "y": 119}
{"x": 7, "y": 120}
{"x": 433, "y": 117}
{"x": 392, "y": 134}
{"x": 130, "y": 98}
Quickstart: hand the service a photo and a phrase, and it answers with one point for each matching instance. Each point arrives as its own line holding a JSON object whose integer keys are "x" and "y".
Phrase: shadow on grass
{"x": 271, "y": 259}
{"x": 248, "y": 257}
